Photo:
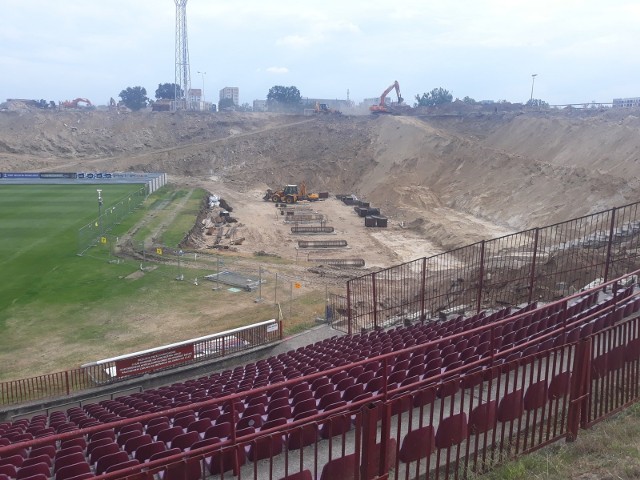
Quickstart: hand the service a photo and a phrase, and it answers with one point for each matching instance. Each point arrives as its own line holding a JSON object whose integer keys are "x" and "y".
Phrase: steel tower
{"x": 182, "y": 74}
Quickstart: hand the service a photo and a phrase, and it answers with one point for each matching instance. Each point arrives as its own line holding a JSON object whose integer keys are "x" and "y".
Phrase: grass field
{"x": 59, "y": 310}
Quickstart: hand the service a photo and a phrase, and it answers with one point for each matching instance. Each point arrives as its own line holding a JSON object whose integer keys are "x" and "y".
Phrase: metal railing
{"x": 469, "y": 418}
{"x": 538, "y": 264}
{"x": 114, "y": 370}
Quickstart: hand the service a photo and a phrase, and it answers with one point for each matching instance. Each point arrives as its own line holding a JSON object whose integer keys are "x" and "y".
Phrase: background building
{"x": 259, "y": 105}
{"x": 626, "y": 102}
{"x": 232, "y": 93}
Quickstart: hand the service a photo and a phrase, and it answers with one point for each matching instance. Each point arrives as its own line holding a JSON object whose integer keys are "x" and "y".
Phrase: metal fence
{"x": 95, "y": 233}
{"x": 126, "y": 367}
{"x": 464, "y": 419}
{"x": 538, "y": 264}
{"x": 579, "y": 367}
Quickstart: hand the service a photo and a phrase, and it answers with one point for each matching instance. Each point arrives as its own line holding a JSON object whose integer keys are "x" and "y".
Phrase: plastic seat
{"x": 302, "y": 475}
{"x": 36, "y": 469}
{"x": 342, "y": 468}
{"x": 15, "y": 460}
{"x": 98, "y": 443}
{"x": 184, "y": 421}
{"x": 103, "y": 450}
{"x": 109, "y": 460}
{"x": 302, "y": 436}
{"x": 282, "y": 412}
{"x": 328, "y": 399}
{"x": 483, "y": 417}
{"x": 80, "y": 441}
{"x": 169, "y": 434}
{"x": 68, "y": 460}
{"x": 265, "y": 447}
{"x": 38, "y": 459}
{"x": 48, "y": 450}
{"x": 199, "y": 426}
{"x": 559, "y": 386}
{"x": 37, "y": 476}
{"x": 510, "y": 407}
{"x": 535, "y": 396}
{"x": 119, "y": 466}
{"x": 352, "y": 392}
{"x": 132, "y": 427}
{"x": 136, "y": 442}
{"x": 258, "y": 409}
{"x": 156, "y": 428}
{"x": 145, "y": 452}
{"x": 417, "y": 444}
{"x": 71, "y": 471}
{"x": 451, "y": 431}
{"x": 185, "y": 440}
{"x": 336, "y": 425}
{"x": 220, "y": 430}
{"x": 109, "y": 433}
{"x": 230, "y": 458}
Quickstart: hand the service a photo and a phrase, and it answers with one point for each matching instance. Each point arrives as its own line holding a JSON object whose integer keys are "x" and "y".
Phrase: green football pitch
{"x": 38, "y": 243}
{"x": 59, "y": 310}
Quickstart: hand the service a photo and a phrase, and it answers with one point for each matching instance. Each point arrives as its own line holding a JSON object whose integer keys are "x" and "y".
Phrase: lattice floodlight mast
{"x": 182, "y": 73}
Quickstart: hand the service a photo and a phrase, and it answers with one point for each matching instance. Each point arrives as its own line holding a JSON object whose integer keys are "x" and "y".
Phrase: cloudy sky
{"x": 581, "y": 50}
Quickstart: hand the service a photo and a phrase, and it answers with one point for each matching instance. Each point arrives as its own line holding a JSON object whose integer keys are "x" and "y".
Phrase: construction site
{"x": 364, "y": 206}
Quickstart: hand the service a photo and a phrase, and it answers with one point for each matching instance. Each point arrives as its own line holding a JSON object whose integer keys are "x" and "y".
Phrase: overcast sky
{"x": 485, "y": 49}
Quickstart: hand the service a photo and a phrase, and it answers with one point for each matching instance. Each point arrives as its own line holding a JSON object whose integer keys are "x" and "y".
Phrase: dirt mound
{"x": 452, "y": 179}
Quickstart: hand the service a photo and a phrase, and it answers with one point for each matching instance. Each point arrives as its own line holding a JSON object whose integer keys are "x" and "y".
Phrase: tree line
{"x": 282, "y": 99}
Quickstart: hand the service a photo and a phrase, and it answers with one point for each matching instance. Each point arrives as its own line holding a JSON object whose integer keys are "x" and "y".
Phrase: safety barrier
{"x": 578, "y": 366}
{"x": 114, "y": 370}
{"x": 538, "y": 264}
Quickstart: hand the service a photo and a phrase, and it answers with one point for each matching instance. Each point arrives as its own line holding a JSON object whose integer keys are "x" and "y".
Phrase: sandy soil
{"x": 443, "y": 181}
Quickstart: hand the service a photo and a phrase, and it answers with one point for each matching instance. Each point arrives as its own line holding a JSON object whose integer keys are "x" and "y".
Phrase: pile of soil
{"x": 443, "y": 180}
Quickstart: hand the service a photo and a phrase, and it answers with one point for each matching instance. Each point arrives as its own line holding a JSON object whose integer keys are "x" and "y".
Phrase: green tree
{"x": 245, "y": 107}
{"x": 536, "y": 102}
{"x": 134, "y": 98}
{"x": 284, "y": 98}
{"x": 469, "y": 100}
{"x": 226, "y": 104}
{"x": 437, "y": 96}
{"x": 167, "y": 91}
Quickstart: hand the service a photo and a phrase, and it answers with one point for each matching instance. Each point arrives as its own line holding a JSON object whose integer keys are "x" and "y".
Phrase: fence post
{"x": 579, "y": 392}
{"x": 481, "y": 275}
{"x": 375, "y": 301}
{"x": 423, "y": 290}
{"x": 532, "y": 281}
{"x": 349, "y": 319}
{"x": 66, "y": 381}
{"x": 369, "y": 468}
{"x": 608, "y": 260}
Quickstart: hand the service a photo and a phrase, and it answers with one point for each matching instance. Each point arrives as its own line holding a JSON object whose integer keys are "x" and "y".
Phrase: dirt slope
{"x": 444, "y": 181}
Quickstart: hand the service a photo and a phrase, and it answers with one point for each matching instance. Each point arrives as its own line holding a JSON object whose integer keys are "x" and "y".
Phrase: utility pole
{"x": 533, "y": 81}
{"x": 100, "y": 201}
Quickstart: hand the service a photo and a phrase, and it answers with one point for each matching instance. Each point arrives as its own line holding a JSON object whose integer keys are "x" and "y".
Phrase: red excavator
{"x": 74, "y": 103}
{"x": 382, "y": 107}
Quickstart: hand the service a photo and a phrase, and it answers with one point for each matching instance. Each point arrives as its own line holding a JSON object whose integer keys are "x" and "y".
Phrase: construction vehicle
{"x": 324, "y": 108}
{"x": 74, "y": 103}
{"x": 382, "y": 107}
{"x": 290, "y": 194}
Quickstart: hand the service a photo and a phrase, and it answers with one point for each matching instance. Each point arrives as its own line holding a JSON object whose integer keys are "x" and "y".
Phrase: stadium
{"x": 161, "y": 320}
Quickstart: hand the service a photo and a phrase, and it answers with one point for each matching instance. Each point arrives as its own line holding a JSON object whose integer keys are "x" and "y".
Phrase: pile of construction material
{"x": 220, "y": 224}
{"x": 371, "y": 215}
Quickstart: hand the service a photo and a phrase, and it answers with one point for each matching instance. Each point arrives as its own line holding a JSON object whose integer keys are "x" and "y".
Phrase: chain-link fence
{"x": 269, "y": 285}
